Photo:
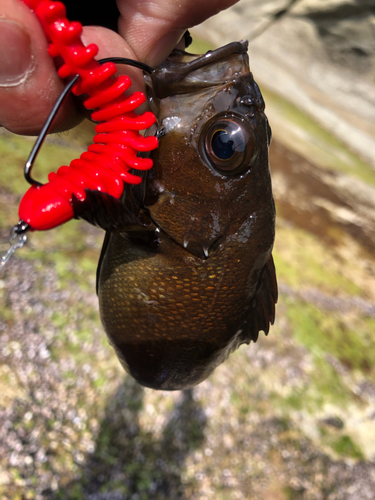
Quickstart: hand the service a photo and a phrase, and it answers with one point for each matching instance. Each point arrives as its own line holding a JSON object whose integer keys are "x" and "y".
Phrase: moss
{"x": 72, "y": 346}
{"x": 73, "y": 269}
{"x": 100, "y": 381}
{"x": 296, "y": 400}
{"x": 293, "y": 493}
{"x": 342, "y": 444}
{"x": 352, "y": 344}
{"x": 66, "y": 238}
{"x": 348, "y": 339}
{"x": 59, "y": 320}
{"x": 240, "y": 403}
{"x": 70, "y": 237}
{"x": 200, "y": 46}
{"x": 327, "y": 385}
{"x": 345, "y": 447}
{"x": 14, "y": 151}
{"x": 6, "y": 315}
{"x": 302, "y": 260}
{"x": 76, "y": 492}
{"x": 324, "y": 387}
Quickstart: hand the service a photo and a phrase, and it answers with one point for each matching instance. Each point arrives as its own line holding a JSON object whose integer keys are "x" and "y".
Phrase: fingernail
{"x": 16, "y": 57}
{"x": 163, "y": 48}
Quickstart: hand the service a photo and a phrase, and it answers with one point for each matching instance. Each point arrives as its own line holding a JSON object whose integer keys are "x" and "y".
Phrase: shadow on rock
{"x": 130, "y": 462}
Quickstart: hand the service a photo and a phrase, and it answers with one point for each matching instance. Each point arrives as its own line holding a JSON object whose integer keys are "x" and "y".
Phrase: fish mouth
{"x": 178, "y": 73}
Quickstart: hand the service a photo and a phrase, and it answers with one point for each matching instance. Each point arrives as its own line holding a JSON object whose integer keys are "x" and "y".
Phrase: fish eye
{"x": 228, "y": 144}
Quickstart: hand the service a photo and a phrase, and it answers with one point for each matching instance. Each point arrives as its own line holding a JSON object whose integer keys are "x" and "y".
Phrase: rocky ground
{"x": 291, "y": 417}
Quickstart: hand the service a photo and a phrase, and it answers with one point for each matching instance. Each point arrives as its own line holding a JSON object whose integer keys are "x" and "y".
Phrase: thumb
{"x": 29, "y": 84}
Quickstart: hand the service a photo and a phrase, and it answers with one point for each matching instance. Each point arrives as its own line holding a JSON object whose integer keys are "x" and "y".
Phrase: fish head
{"x": 211, "y": 174}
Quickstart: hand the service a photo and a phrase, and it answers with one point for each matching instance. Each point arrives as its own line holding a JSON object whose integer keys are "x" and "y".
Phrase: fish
{"x": 186, "y": 273}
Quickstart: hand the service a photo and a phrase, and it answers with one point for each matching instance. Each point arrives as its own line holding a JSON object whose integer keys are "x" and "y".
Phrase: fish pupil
{"x": 223, "y": 145}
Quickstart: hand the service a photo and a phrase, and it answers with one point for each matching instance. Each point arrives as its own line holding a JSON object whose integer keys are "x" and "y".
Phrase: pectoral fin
{"x": 262, "y": 311}
{"x": 101, "y": 258}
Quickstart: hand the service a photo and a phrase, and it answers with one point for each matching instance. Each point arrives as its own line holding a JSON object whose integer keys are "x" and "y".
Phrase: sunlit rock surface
{"x": 319, "y": 54}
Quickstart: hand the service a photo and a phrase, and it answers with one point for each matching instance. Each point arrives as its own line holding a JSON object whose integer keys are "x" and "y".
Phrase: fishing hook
{"x": 47, "y": 126}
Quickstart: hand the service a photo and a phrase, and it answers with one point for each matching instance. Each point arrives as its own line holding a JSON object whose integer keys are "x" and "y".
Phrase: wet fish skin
{"x": 194, "y": 278}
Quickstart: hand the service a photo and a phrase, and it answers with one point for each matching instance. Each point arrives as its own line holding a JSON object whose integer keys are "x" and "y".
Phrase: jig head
{"x": 106, "y": 165}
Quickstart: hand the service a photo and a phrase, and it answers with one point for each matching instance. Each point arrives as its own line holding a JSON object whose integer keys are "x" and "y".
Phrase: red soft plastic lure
{"x": 105, "y": 166}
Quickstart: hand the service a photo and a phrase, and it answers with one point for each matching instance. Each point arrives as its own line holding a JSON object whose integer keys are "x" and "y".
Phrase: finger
{"x": 153, "y": 29}
{"x": 29, "y": 84}
{"x": 111, "y": 44}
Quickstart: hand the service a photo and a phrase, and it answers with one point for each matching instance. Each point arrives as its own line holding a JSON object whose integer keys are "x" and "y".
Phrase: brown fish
{"x": 188, "y": 275}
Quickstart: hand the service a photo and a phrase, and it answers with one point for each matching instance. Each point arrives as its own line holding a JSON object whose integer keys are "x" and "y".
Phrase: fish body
{"x": 188, "y": 275}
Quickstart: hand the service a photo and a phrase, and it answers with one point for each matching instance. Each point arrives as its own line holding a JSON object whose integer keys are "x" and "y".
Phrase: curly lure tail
{"x": 105, "y": 166}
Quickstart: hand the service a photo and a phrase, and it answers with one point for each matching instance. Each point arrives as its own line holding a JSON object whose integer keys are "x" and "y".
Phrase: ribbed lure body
{"x": 105, "y": 166}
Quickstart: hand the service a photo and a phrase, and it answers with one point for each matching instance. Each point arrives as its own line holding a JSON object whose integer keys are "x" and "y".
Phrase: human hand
{"x": 148, "y": 30}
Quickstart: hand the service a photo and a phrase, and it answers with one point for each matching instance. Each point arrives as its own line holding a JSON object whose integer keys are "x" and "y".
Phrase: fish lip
{"x": 168, "y": 78}
{"x": 211, "y": 57}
